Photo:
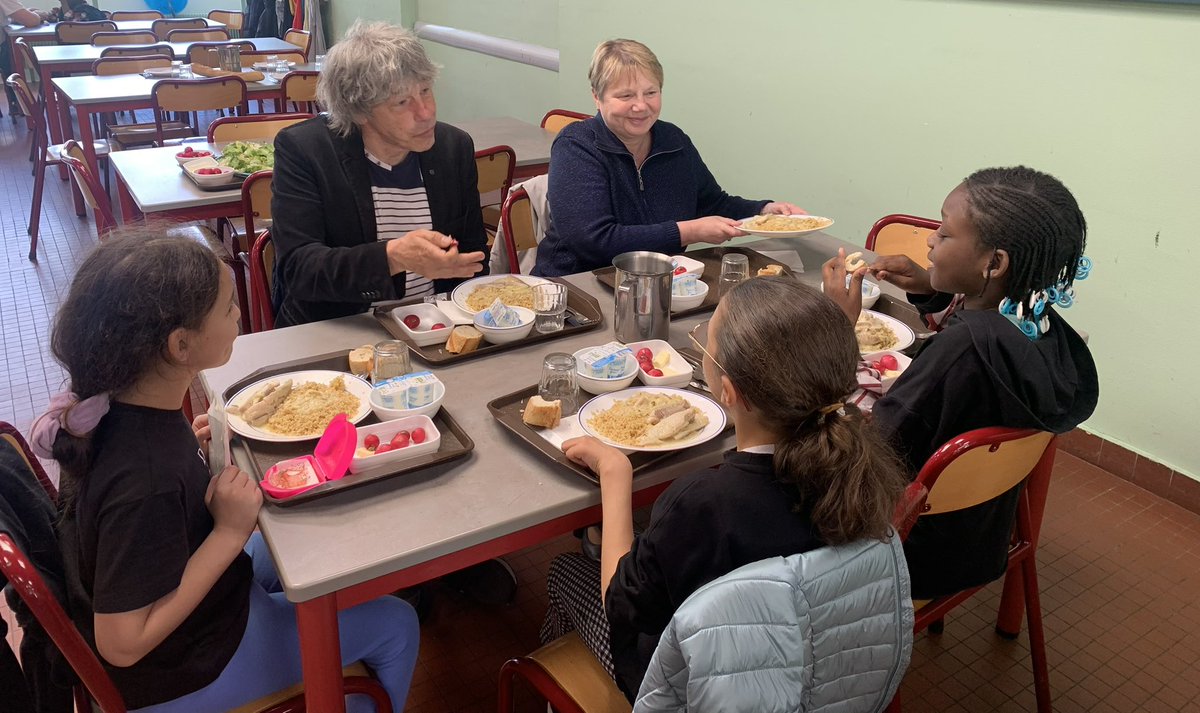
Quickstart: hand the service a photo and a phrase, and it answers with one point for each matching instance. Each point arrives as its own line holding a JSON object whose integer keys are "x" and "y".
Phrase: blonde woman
{"x": 623, "y": 180}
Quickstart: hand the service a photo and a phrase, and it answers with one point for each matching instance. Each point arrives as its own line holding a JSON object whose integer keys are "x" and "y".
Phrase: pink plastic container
{"x": 329, "y": 461}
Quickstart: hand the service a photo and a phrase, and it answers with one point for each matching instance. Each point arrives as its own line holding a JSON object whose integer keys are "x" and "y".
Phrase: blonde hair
{"x": 615, "y": 58}
{"x": 374, "y": 62}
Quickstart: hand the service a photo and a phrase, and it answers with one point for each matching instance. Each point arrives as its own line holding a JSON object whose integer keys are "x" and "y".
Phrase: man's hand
{"x": 429, "y": 253}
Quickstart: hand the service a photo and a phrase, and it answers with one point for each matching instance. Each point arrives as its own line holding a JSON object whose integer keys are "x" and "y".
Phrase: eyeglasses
{"x": 702, "y": 328}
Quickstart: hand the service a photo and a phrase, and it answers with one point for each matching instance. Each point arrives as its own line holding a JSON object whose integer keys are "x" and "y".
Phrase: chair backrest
{"x": 254, "y": 127}
{"x": 160, "y": 28}
{"x": 495, "y": 168}
{"x": 128, "y": 15}
{"x": 196, "y": 95}
{"x": 206, "y": 52}
{"x": 162, "y": 50}
{"x": 128, "y": 37}
{"x": 301, "y": 87}
{"x": 9, "y": 433}
{"x": 556, "y": 119}
{"x": 980, "y": 465}
{"x": 232, "y": 19}
{"x": 900, "y": 234}
{"x": 29, "y": 585}
{"x": 25, "y": 100}
{"x": 262, "y": 266}
{"x": 299, "y": 38}
{"x": 211, "y": 34}
{"x": 89, "y": 185}
{"x": 109, "y": 66}
{"x": 252, "y": 56}
{"x": 80, "y": 33}
{"x": 516, "y": 224}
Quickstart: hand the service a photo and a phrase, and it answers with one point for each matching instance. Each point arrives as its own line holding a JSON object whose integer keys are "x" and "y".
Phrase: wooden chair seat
{"x": 575, "y": 669}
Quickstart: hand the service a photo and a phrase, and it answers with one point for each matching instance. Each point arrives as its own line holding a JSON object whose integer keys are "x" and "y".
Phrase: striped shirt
{"x": 401, "y": 206}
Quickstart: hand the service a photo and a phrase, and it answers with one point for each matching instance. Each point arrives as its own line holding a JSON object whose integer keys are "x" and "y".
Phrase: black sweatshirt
{"x": 704, "y": 526}
{"x": 980, "y": 371}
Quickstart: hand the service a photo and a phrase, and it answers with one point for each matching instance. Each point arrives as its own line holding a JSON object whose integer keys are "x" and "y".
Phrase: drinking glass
{"x": 320, "y": 62}
{"x": 735, "y": 267}
{"x": 558, "y": 381}
{"x": 391, "y": 359}
{"x": 549, "y": 306}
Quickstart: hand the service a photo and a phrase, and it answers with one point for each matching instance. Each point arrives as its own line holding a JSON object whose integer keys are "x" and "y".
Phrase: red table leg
{"x": 321, "y": 655}
{"x": 53, "y": 114}
{"x": 129, "y": 209}
{"x": 1012, "y": 602}
{"x": 64, "y": 112}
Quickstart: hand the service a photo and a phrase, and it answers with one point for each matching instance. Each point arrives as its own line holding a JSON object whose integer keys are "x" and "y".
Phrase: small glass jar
{"x": 391, "y": 359}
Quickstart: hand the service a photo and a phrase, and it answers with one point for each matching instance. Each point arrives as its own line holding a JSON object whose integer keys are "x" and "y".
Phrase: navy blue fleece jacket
{"x": 602, "y": 205}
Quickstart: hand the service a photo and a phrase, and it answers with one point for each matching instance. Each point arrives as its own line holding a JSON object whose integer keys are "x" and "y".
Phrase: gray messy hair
{"x": 374, "y": 62}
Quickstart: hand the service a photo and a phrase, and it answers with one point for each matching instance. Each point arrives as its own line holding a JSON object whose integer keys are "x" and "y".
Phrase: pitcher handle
{"x": 622, "y": 295}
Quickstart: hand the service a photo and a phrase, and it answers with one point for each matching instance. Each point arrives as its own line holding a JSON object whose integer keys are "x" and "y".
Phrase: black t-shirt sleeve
{"x": 141, "y": 552}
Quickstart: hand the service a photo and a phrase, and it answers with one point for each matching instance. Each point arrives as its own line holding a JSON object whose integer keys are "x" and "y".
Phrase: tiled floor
{"x": 1120, "y": 568}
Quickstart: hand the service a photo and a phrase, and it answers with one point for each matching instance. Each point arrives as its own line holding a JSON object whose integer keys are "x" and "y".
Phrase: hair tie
{"x": 66, "y": 411}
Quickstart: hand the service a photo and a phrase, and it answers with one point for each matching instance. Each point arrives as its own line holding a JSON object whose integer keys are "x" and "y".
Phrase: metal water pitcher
{"x": 643, "y": 296}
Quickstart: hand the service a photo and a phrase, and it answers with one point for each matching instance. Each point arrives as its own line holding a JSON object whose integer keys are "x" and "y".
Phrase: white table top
{"x": 87, "y": 89}
{"x": 45, "y": 31}
{"x": 530, "y": 141}
{"x": 156, "y": 182}
{"x": 504, "y": 486}
{"x": 51, "y": 55}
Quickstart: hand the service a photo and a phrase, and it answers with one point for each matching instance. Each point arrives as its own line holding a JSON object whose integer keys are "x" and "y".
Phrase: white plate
{"x": 786, "y": 233}
{"x": 710, "y": 408}
{"x": 900, "y": 329}
{"x": 269, "y": 65}
{"x": 462, "y": 292}
{"x": 356, "y": 386}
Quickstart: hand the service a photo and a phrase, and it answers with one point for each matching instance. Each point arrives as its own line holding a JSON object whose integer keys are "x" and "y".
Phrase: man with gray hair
{"x": 374, "y": 200}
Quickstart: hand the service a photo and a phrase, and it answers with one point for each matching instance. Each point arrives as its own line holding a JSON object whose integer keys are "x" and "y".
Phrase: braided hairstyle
{"x": 1034, "y": 218}
{"x": 792, "y": 355}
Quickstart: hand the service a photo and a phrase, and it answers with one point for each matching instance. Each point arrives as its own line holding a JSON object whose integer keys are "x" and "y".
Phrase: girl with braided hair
{"x": 808, "y": 472}
{"x": 1008, "y": 251}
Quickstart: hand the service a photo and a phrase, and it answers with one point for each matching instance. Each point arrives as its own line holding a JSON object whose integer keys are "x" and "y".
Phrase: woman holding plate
{"x": 376, "y": 199}
{"x": 807, "y": 472}
{"x": 623, "y": 180}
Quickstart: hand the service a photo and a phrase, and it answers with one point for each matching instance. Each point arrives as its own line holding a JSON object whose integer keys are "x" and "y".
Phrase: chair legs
{"x": 35, "y": 208}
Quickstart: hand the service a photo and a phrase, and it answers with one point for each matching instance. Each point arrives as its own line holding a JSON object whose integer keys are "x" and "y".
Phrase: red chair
{"x": 516, "y": 224}
{"x": 556, "y": 119}
{"x": 972, "y": 469}
{"x": 43, "y": 154}
{"x": 9, "y": 432}
{"x": 262, "y": 261}
{"x": 494, "y": 168}
{"x": 193, "y": 96}
{"x": 900, "y": 234}
{"x": 570, "y": 679}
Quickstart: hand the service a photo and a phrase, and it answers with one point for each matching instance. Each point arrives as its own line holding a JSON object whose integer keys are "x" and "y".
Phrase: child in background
{"x": 184, "y": 618}
{"x": 807, "y": 472}
{"x": 1009, "y": 249}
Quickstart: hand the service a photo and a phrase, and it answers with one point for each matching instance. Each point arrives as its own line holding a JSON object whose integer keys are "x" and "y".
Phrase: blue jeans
{"x": 382, "y": 633}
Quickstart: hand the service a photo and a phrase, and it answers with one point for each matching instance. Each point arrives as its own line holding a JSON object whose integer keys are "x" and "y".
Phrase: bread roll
{"x": 542, "y": 413}
{"x": 770, "y": 271}
{"x": 463, "y": 339}
{"x": 360, "y": 360}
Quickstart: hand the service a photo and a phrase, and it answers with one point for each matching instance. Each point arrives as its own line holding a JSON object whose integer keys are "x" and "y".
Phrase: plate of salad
{"x": 246, "y": 157}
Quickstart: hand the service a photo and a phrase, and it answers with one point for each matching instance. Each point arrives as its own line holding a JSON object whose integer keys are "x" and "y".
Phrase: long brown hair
{"x": 792, "y": 355}
{"x": 127, "y": 297}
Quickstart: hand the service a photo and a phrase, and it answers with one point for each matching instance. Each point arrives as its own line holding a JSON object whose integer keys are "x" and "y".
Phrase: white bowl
{"x": 592, "y": 385}
{"x": 680, "y": 303}
{"x": 682, "y": 370}
{"x": 902, "y": 363}
{"x": 504, "y": 335}
{"x": 690, "y": 266}
{"x": 424, "y": 335}
{"x": 216, "y": 179}
{"x": 385, "y": 431}
{"x": 182, "y": 159}
{"x": 870, "y": 292}
{"x": 390, "y": 414}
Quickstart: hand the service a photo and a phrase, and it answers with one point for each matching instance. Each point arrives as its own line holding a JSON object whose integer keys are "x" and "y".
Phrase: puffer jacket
{"x": 829, "y": 630}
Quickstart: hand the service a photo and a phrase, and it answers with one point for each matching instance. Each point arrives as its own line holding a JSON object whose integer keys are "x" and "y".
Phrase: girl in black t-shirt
{"x": 807, "y": 473}
{"x": 182, "y": 615}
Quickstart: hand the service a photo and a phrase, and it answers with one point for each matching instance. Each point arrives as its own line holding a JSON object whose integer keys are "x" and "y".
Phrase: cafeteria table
{"x": 67, "y": 59}
{"x": 93, "y": 95}
{"x": 349, "y": 548}
{"x": 530, "y": 142}
{"x": 150, "y": 181}
{"x": 45, "y": 32}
